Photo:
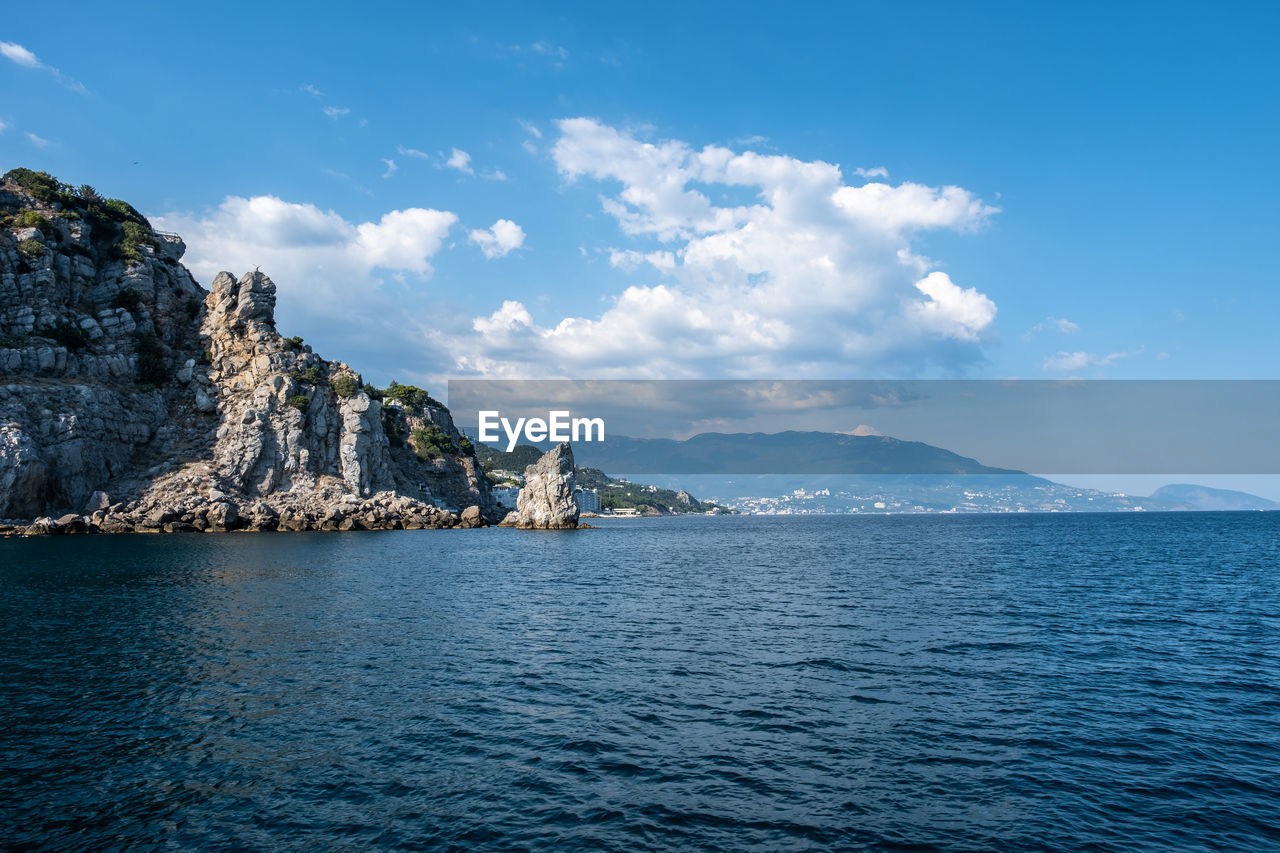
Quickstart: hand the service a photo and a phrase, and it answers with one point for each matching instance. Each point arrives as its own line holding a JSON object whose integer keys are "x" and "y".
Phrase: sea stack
{"x": 546, "y": 501}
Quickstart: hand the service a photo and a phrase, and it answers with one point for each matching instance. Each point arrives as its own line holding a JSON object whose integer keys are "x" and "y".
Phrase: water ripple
{"x": 893, "y": 683}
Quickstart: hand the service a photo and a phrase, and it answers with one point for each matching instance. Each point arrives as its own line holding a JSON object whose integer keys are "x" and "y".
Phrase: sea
{"x": 910, "y": 683}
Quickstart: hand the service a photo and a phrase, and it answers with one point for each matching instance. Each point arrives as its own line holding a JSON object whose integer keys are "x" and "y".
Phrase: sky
{"x": 860, "y": 190}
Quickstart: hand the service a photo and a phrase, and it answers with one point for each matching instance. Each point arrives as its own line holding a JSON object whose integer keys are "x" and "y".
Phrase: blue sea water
{"x": 1067, "y": 682}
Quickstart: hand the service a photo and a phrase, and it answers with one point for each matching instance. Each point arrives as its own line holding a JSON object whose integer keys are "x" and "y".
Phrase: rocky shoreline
{"x": 383, "y": 511}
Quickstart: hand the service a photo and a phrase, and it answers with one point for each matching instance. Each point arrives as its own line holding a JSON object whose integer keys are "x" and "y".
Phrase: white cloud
{"x": 37, "y": 141}
{"x": 3, "y": 127}
{"x": 803, "y": 275}
{"x": 19, "y": 55}
{"x": 874, "y": 172}
{"x": 531, "y": 129}
{"x": 337, "y": 112}
{"x": 391, "y": 167}
{"x": 494, "y": 175}
{"x": 1061, "y": 325}
{"x": 952, "y": 311}
{"x": 412, "y": 152}
{"x": 461, "y": 161}
{"x": 304, "y": 247}
{"x": 546, "y": 48}
{"x": 1068, "y": 361}
{"x": 358, "y": 290}
{"x": 502, "y": 237}
{"x": 308, "y": 89}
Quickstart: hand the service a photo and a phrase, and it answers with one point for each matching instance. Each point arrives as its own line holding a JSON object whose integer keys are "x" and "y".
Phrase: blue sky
{"x": 1114, "y": 174}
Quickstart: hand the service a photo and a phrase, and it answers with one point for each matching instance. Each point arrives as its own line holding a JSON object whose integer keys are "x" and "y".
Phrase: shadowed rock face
{"x": 546, "y": 501}
{"x": 131, "y": 394}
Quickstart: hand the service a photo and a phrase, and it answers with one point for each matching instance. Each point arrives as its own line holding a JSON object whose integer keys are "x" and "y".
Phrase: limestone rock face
{"x": 546, "y": 501}
{"x": 283, "y": 425}
{"x": 129, "y": 392}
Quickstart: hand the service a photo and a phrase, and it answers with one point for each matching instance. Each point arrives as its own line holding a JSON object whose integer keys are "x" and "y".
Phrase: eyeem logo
{"x": 557, "y": 427}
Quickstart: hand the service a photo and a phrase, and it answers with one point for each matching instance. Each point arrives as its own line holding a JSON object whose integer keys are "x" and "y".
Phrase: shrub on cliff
{"x": 133, "y": 236}
{"x": 31, "y": 219}
{"x": 411, "y": 397}
{"x": 430, "y": 441}
{"x": 344, "y": 385}
{"x": 153, "y": 366}
{"x": 31, "y": 248}
{"x": 301, "y": 402}
{"x": 42, "y": 186}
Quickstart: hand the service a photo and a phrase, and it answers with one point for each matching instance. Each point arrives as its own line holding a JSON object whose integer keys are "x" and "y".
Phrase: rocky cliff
{"x": 546, "y": 502}
{"x": 133, "y": 399}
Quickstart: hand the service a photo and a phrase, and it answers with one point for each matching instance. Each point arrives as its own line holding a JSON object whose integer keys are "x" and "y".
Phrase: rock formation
{"x": 546, "y": 501}
{"x": 132, "y": 399}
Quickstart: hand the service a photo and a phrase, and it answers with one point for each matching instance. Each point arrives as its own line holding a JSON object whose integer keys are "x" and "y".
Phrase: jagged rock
{"x": 471, "y": 517}
{"x": 42, "y": 526}
{"x": 222, "y": 516}
{"x": 70, "y": 523}
{"x": 546, "y": 501}
{"x": 510, "y": 519}
{"x": 98, "y": 500}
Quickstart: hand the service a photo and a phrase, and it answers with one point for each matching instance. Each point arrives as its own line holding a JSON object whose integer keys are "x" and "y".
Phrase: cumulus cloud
{"x": 304, "y": 247}
{"x": 337, "y": 112}
{"x": 19, "y": 55}
{"x": 802, "y": 275}
{"x": 502, "y": 237}
{"x": 874, "y": 172}
{"x": 461, "y": 161}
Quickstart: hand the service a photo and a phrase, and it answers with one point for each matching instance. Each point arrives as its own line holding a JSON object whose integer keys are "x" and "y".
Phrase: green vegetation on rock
{"x": 430, "y": 441}
{"x": 344, "y": 385}
{"x": 31, "y": 248}
{"x": 115, "y": 224}
{"x": 411, "y": 397}
{"x": 31, "y": 219}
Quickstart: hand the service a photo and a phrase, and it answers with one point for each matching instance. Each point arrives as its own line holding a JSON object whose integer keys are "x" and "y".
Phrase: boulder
{"x": 471, "y": 517}
{"x": 222, "y": 516}
{"x": 546, "y": 501}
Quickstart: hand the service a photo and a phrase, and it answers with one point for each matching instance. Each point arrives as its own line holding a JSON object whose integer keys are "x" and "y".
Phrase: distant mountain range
{"x": 1206, "y": 498}
{"x": 790, "y": 452}
{"x": 804, "y": 471}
